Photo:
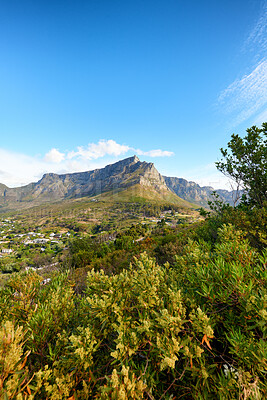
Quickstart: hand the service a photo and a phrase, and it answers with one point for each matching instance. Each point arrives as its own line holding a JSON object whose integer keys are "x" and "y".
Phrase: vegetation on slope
{"x": 194, "y": 329}
{"x": 191, "y": 324}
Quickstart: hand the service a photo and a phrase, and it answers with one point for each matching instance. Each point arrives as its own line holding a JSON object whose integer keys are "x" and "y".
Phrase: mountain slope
{"x": 128, "y": 173}
{"x": 196, "y": 194}
{"x": 139, "y": 193}
{"x": 129, "y": 177}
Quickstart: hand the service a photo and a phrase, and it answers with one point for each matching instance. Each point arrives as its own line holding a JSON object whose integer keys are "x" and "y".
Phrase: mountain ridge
{"x": 192, "y": 192}
{"x": 121, "y": 175}
{"x": 126, "y": 173}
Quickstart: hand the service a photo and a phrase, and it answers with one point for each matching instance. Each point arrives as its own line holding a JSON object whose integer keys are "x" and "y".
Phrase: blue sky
{"x": 86, "y": 83}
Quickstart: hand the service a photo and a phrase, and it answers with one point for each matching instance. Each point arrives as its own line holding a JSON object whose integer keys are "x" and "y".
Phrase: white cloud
{"x": 154, "y": 153}
{"x": 260, "y": 118}
{"x": 54, "y": 156}
{"x": 246, "y": 96}
{"x": 100, "y": 149}
{"x": 111, "y": 148}
{"x": 19, "y": 169}
{"x": 257, "y": 39}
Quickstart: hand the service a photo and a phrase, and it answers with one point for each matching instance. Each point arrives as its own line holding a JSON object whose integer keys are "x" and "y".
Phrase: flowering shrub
{"x": 14, "y": 377}
{"x": 193, "y": 330}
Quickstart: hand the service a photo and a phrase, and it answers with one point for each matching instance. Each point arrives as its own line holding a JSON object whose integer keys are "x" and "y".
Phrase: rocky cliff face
{"x": 118, "y": 176}
{"x": 123, "y": 174}
{"x": 194, "y": 193}
{"x": 151, "y": 177}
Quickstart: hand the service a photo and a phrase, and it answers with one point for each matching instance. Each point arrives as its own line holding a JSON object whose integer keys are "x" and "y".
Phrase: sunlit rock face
{"x": 122, "y": 174}
{"x": 114, "y": 177}
{"x": 196, "y": 194}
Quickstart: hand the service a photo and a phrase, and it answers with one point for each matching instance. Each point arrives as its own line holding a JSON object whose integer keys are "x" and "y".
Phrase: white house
{"x": 7, "y": 251}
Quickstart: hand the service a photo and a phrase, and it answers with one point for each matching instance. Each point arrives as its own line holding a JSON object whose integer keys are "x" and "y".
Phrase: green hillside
{"x": 129, "y": 295}
{"x": 139, "y": 193}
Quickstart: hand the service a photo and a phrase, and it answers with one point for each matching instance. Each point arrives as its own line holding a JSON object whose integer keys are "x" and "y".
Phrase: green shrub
{"x": 196, "y": 330}
{"x": 229, "y": 284}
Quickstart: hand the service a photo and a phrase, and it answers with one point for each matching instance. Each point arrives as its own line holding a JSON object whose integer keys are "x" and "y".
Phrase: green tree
{"x": 245, "y": 162}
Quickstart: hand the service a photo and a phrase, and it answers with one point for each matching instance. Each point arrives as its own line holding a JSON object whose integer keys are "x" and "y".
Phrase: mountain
{"x": 130, "y": 177}
{"x": 196, "y": 194}
{"x": 141, "y": 177}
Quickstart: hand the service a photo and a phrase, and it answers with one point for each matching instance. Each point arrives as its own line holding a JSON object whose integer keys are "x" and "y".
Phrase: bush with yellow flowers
{"x": 194, "y": 330}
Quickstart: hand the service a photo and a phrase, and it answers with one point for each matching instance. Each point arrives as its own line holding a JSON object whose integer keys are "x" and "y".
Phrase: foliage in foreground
{"x": 194, "y": 330}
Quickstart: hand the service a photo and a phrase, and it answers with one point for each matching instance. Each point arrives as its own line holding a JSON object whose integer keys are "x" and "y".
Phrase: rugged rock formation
{"x": 196, "y": 194}
{"x": 118, "y": 176}
{"x": 114, "y": 177}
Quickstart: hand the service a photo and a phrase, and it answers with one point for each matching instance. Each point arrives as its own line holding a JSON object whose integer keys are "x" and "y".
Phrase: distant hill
{"x": 196, "y": 194}
{"x": 129, "y": 177}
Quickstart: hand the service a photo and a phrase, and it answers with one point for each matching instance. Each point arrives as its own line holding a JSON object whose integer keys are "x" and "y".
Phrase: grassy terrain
{"x": 139, "y": 193}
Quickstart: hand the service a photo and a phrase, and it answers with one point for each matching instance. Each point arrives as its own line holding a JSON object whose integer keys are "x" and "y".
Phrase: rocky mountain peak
{"x": 113, "y": 178}
{"x": 134, "y": 159}
{"x": 127, "y": 161}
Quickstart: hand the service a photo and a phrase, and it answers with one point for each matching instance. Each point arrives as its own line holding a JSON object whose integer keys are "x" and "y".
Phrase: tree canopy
{"x": 245, "y": 161}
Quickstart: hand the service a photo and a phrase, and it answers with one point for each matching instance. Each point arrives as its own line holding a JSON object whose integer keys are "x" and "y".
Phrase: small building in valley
{"x": 7, "y": 251}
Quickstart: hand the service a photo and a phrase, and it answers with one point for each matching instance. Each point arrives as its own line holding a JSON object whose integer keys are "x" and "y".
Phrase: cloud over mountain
{"x": 111, "y": 148}
{"x": 18, "y": 169}
{"x": 97, "y": 150}
{"x": 54, "y": 156}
